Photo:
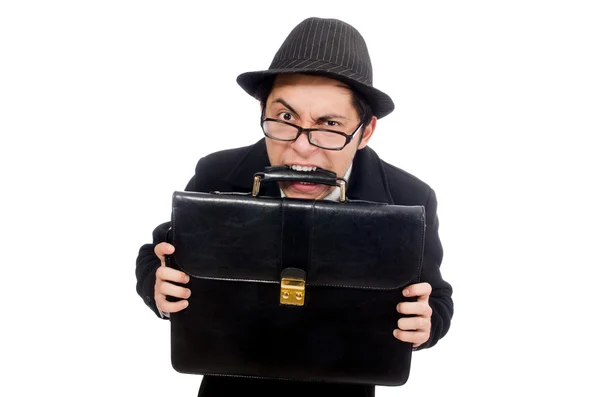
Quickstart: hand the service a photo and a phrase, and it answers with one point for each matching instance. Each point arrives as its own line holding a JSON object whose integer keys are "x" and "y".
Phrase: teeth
{"x": 303, "y": 168}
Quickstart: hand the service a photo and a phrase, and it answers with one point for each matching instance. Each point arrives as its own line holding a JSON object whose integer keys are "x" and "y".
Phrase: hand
{"x": 163, "y": 286}
{"x": 415, "y": 329}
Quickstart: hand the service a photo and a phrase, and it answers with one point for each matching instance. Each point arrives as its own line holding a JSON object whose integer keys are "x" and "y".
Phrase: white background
{"x": 106, "y": 106}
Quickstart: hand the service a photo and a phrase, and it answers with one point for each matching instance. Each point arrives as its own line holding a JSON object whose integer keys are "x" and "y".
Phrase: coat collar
{"x": 367, "y": 181}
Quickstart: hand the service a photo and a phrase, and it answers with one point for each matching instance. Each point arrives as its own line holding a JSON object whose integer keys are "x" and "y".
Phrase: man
{"x": 319, "y": 109}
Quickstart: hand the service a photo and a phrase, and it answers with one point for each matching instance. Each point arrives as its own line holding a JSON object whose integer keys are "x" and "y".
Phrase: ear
{"x": 368, "y": 131}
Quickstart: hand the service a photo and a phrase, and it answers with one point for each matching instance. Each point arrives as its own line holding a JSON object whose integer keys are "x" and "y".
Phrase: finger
{"x": 164, "y": 273}
{"x": 415, "y": 308}
{"x": 414, "y": 324}
{"x": 171, "y": 307}
{"x": 414, "y": 337}
{"x": 166, "y": 288}
{"x": 420, "y": 290}
{"x": 163, "y": 249}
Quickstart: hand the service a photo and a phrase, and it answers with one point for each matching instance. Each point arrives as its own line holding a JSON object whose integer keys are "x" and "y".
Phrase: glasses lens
{"x": 280, "y": 131}
{"x": 285, "y": 132}
{"x": 327, "y": 140}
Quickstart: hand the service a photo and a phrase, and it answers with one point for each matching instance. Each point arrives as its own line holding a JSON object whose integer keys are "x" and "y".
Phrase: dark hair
{"x": 365, "y": 113}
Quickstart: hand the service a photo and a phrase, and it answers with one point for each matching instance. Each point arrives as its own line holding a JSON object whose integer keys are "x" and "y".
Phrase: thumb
{"x": 163, "y": 249}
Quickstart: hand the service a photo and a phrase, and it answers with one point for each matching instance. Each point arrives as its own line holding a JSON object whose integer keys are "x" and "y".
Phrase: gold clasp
{"x": 256, "y": 186}
{"x": 342, "y": 185}
{"x": 293, "y": 287}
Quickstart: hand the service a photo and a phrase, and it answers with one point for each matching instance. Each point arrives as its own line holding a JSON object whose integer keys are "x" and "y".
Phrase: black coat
{"x": 372, "y": 179}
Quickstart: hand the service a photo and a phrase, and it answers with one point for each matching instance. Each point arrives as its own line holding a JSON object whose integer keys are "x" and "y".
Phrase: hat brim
{"x": 381, "y": 104}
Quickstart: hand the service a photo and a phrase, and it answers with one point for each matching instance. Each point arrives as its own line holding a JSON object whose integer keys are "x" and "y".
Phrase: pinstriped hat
{"x": 328, "y": 47}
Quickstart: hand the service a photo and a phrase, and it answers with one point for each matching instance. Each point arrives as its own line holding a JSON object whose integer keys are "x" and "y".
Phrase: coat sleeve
{"x": 147, "y": 262}
{"x": 440, "y": 299}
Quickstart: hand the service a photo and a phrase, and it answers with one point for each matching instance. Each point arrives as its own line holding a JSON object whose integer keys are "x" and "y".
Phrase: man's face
{"x": 313, "y": 102}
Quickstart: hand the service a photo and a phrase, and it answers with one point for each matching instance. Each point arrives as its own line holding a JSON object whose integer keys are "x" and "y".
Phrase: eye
{"x": 286, "y": 116}
{"x": 331, "y": 123}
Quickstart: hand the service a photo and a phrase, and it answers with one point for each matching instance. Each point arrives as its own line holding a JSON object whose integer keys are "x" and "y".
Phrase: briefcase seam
{"x": 281, "y": 234}
{"x": 310, "y": 240}
{"x": 422, "y": 248}
{"x": 246, "y": 280}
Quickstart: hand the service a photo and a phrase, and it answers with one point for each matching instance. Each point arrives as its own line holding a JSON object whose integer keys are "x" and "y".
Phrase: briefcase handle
{"x": 286, "y": 174}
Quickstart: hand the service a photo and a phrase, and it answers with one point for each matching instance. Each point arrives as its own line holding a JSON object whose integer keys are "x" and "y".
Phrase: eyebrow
{"x": 284, "y": 103}
{"x": 330, "y": 116}
{"x": 327, "y": 116}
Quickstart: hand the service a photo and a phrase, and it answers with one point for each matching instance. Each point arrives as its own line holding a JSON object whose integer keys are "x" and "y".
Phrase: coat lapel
{"x": 368, "y": 180}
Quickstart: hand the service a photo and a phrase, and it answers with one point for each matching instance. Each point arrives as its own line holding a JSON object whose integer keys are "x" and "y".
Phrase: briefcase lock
{"x": 293, "y": 287}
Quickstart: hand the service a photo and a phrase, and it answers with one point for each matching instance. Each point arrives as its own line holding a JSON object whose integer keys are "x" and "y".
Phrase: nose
{"x": 302, "y": 145}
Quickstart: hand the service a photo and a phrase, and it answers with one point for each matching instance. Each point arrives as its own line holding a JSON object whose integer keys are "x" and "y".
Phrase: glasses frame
{"x": 308, "y": 133}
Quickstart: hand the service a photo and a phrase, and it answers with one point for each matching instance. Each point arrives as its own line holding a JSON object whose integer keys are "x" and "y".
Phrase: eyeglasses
{"x": 322, "y": 138}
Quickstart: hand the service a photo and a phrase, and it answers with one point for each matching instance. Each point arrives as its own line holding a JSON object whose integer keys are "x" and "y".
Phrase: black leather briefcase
{"x": 293, "y": 289}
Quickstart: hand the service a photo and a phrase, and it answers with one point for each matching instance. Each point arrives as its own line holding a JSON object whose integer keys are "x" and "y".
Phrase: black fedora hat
{"x": 328, "y": 47}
